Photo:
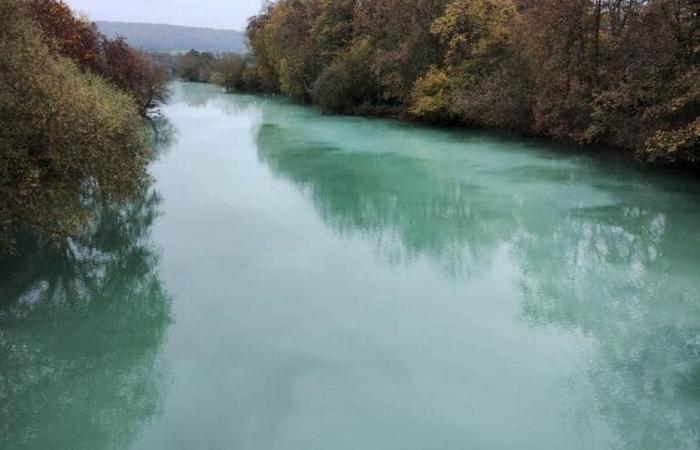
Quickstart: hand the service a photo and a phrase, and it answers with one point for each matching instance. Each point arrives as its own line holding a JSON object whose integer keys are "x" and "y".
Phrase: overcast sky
{"x": 198, "y": 13}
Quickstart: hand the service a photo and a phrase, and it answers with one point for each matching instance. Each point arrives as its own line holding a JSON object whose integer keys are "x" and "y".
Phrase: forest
{"x": 620, "y": 73}
{"x": 73, "y": 110}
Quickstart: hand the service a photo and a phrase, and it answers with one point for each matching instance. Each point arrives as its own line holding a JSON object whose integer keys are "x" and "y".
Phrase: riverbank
{"x": 546, "y": 68}
{"x": 611, "y": 153}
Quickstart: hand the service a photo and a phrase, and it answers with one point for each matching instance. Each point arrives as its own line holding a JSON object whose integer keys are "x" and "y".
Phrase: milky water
{"x": 296, "y": 281}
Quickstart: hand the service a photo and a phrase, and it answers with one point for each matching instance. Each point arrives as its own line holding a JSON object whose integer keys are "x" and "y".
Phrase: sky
{"x": 227, "y": 14}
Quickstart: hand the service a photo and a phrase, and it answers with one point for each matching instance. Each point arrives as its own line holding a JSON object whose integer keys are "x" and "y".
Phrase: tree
{"x": 333, "y": 28}
{"x": 558, "y": 46}
{"x": 66, "y": 137}
{"x": 481, "y": 80}
{"x": 229, "y": 71}
{"x": 619, "y": 72}
{"x": 405, "y": 47}
{"x": 289, "y": 46}
{"x": 79, "y": 40}
{"x": 348, "y": 82}
{"x": 134, "y": 73}
{"x": 196, "y": 66}
{"x": 433, "y": 97}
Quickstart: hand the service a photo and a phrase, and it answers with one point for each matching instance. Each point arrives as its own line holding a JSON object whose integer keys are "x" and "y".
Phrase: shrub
{"x": 432, "y": 97}
{"x": 348, "y": 82}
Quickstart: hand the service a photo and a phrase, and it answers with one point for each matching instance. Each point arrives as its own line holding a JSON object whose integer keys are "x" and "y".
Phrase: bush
{"x": 432, "y": 97}
{"x": 348, "y": 82}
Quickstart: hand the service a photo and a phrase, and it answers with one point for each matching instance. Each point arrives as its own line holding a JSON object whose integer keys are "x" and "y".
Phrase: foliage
{"x": 67, "y": 137}
{"x": 433, "y": 97}
{"x": 229, "y": 71}
{"x": 135, "y": 73}
{"x": 79, "y": 40}
{"x": 405, "y": 46}
{"x": 333, "y": 28}
{"x": 70, "y": 36}
{"x": 619, "y": 72}
{"x": 348, "y": 82}
{"x": 481, "y": 64}
{"x": 196, "y": 66}
{"x": 290, "y": 47}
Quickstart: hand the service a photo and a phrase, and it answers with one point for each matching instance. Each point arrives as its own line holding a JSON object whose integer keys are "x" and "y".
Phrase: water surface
{"x": 299, "y": 281}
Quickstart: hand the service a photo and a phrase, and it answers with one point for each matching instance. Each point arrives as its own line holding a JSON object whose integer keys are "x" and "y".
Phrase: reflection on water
{"x": 601, "y": 250}
{"x": 393, "y": 200}
{"x": 623, "y": 277}
{"x": 163, "y": 135}
{"x": 200, "y": 95}
{"x": 80, "y": 336}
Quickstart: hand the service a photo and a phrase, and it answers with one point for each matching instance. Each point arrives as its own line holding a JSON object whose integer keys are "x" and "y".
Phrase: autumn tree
{"x": 134, "y": 73}
{"x": 67, "y": 137}
{"x": 348, "y": 83}
{"x": 78, "y": 39}
{"x": 623, "y": 73}
{"x": 333, "y": 28}
{"x": 618, "y": 72}
{"x": 229, "y": 71}
{"x": 405, "y": 46}
{"x": 196, "y": 66}
{"x": 482, "y": 79}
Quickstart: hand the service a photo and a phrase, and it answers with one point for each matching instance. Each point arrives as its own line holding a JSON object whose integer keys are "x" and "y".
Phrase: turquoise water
{"x": 295, "y": 281}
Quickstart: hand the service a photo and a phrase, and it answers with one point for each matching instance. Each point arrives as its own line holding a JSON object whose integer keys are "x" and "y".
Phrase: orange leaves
{"x": 114, "y": 60}
{"x": 76, "y": 39}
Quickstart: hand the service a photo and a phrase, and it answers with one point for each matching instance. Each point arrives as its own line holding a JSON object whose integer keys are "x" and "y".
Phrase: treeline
{"x": 71, "y": 127}
{"x": 233, "y": 71}
{"x": 618, "y": 72}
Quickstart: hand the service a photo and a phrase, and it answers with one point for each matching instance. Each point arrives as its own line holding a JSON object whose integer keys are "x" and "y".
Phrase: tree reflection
{"x": 604, "y": 257}
{"x": 200, "y": 95}
{"x": 395, "y": 201}
{"x": 80, "y": 335}
{"x": 195, "y": 95}
{"x": 163, "y": 134}
{"x": 645, "y": 323}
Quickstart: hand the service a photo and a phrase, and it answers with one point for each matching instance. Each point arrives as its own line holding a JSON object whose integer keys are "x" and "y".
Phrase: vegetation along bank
{"x": 72, "y": 131}
{"x": 624, "y": 73}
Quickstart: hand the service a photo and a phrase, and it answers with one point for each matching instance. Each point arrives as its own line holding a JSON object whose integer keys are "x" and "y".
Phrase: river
{"x": 296, "y": 281}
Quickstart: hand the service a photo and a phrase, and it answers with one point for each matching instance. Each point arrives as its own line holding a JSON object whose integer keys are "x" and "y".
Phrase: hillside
{"x": 174, "y": 38}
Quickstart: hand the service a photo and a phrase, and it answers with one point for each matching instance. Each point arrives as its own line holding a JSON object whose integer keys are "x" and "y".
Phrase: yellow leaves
{"x": 667, "y": 144}
{"x": 432, "y": 96}
{"x": 474, "y": 27}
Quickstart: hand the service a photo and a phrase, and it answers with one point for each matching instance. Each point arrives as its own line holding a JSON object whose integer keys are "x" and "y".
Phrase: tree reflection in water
{"x": 392, "y": 200}
{"x": 609, "y": 262}
{"x": 80, "y": 336}
{"x": 645, "y": 371}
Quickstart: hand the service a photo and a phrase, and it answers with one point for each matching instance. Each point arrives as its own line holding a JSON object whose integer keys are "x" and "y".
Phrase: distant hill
{"x": 173, "y": 38}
